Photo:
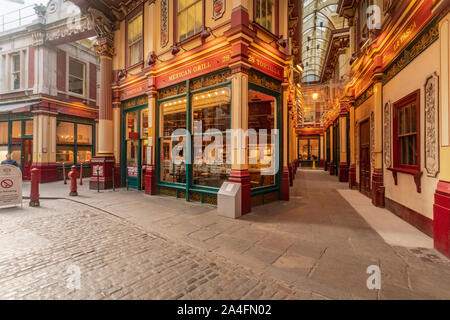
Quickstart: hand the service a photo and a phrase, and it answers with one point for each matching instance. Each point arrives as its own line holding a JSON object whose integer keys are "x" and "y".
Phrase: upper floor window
{"x": 15, "y": 71}
{"x": 190, "y": 18}
{"x": 406, "y": 132}
{"x": 264, "y": 13}
{"x": 135, "y": 40}
{"x": 77, "y": 74}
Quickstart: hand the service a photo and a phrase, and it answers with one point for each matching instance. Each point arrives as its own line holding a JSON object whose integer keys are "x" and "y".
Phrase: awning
{"x": 17, "y": 107}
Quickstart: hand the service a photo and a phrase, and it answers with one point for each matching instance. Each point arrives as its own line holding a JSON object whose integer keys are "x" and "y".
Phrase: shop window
{"x": 190, "y": 18}
{"x": 3, "y": 133}
{"x": 135, "y": 40}
{"x": 73, "y": 148}
{"x": 211, "y": 111}
{"x": 261, "y": 116}
{"x": 29, "y": 127}
{"x": 304, "y": 150}
{"x": 173, "y": 117}
{"x": 3, "y": 152}
{"x": 264, "y": 13}
{"x": 16, "y": 129}
{"x": 77, "y": 72}
{"x": 15, "y": 71}
{"x": 144, "y": 124}
{"x": 132, "y": 125}
{"x": 406, "y": 133}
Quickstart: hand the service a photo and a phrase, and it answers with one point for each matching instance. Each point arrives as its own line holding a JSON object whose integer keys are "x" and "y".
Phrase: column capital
{"x": 104, "y": 48}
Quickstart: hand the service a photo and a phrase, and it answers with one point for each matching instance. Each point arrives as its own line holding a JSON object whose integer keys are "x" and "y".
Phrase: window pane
{"x": 65, "y": 133}
{"x": 84, "y": 153}
{"x": 314, "y": 150}
{"x": 144, "y": 124}
{"x": 84, "y": 134}
{"x": 64, "y": 154}
{"x": 407, "y": 120}
{"x": 413, "y": 118}
{"x": 190, "y": 21}
{"x": 16, "y": 153}
{"x": 261, "y": 117}
{"x": 132, "y": 125}
{"x": 17, "y": 129}
{"x": 3, "y": 152}
{"x": 183, "y": 25}
{"x": 16, "y": 63}
{"x": 400, "y": 121}
{"x": 303, "y": 149}
{"x": 4, "y": 133}
{"x": 198, "y": 17}
{"x": 173, "y": 116}
{"x": 29, "y": 128}
{"x": 211, "y": 111}
{"x": 76, "y": 77}
{"x": 170, "y": 171}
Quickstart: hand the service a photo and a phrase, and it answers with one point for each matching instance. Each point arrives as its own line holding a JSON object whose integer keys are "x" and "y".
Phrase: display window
{"x": 74, "y": 143}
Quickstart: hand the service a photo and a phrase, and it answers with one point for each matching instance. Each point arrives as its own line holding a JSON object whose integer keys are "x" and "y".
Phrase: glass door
{"x": 27, "y": 158}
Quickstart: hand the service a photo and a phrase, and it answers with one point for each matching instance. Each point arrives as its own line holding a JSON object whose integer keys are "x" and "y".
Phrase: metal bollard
{"x": 81, "y": 174}
{"x": 34, "y": 193}
{"x": 98, "y": 180}
{"x": 64, "y": 173}
{"x": 73, "y": 175}
{"x": 113, "y": 178}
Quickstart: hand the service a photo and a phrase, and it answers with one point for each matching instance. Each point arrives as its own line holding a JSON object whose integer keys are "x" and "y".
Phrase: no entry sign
{"x": 10, "y": 186}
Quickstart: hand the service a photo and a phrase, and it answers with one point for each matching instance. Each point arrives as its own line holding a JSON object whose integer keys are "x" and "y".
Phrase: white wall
{"x": 410, "y": 79}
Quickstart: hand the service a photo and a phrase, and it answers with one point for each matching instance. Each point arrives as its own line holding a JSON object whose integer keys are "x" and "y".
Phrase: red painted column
{"x": 441, "y": 221}
{"x": 285, "y": 184}
{"x": 352, "y": 176}
{"x": 243, "y": 177}
{"x": 104, "y": 161}
{"x": 343, "y": 172}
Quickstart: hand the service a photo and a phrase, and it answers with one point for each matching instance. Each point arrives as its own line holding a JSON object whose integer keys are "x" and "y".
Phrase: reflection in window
{"x": 4, "y": 133}
{"x": 29, "y": 128}
{"x": 84, "y": 134}
{"x": 16, "y": 153}
{"x": 84, "y": 154}
{"x": 135, "y": 42}
{"x": 17, "y": 129}
{"x": 65, "y": 133}
{"x": 261, "y": 116}
{"x": 64, "y": 154}
{"x": 67, "y": 143}
{"x": 76, "y": 76}
{"x": 190, "y": 18}
{"x": 132, "y": 125}
{"x": 211, "y": 111}
{"x": 144, "y": 124}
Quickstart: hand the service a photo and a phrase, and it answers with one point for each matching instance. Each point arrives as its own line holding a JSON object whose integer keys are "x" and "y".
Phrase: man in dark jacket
{"x": 10, "y": 161}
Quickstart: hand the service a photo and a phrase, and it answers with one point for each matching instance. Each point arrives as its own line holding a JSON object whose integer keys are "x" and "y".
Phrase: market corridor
{"x": 317, "y": 246}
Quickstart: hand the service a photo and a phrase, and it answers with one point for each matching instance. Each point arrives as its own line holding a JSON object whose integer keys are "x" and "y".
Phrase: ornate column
{"x": 352, "y": 169}
{"x": 332, "y": 164}
{"x": 240, "y": 36}
{"x": 378, "y": 188}
{"x": 441, "y": 208}
{"x": 44, "y": 142}
{"x": 322, "y": 150}
{"x": 150, "y": 173}
{"x": 343, "y": 165}
{"x": 104, "y": 161}
{"x": 116, "y": 109}
{"x": 285, "y": 177}
{"x": 290, "y": 144}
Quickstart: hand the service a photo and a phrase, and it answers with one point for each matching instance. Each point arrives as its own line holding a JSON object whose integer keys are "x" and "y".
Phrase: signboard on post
{"x": 10, "y": 186}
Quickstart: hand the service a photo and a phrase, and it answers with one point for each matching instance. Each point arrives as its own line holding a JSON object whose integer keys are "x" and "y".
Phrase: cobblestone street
{"x": 126, "y": 245}
{"x": 117, "y": 260}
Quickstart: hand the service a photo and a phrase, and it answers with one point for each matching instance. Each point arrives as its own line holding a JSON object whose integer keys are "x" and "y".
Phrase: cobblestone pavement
{"x": 41, "y": 249}
{"x": 317, "y": 246}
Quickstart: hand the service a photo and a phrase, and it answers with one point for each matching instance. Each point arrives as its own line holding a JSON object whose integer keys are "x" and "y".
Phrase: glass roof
{"x": 319, "y": 20}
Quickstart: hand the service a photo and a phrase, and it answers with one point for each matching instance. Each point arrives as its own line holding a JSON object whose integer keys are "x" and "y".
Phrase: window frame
{"x": 275, "y": 17}
{"x": 69, "y": 76}
{"x": 130, "y": 18}
{"x": 176, "y": 22}
{"x": 17, "y": 72}
{"x": 75, "y": 141}
{"x": 397, "y": 152}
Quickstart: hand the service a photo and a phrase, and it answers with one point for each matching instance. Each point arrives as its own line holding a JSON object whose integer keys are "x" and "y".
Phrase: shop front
{"x": 309, "y": 151}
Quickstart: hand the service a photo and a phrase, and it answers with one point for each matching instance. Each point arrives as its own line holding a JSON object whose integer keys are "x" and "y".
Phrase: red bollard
{"x": 81, "y": 174}
{"x": 64, "y": 173}
{"x": 34, "y": 193}
{"x": 73, "y": 175}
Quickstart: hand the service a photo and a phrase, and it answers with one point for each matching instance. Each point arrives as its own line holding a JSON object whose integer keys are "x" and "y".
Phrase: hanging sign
{"x": 10, "y": 186}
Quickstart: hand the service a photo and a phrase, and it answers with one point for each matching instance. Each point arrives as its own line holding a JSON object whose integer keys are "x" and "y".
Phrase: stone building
{"x": 48, "y": 90}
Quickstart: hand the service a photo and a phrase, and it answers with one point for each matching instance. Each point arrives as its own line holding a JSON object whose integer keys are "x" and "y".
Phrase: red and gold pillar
{"x": 285, "y": 179}
{"x": 441, "y": 209}
{"x": 343, "y": 165}
{"x": 352, "y": 169}
{"x": 150, "y": 173}
{"x": 104, "y": 161}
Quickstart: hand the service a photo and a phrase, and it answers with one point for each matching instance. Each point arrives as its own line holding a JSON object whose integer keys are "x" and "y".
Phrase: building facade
{"x": 387, "y": 130}
{"x": 48, "y": 94}
{"x": 200, "y": 67}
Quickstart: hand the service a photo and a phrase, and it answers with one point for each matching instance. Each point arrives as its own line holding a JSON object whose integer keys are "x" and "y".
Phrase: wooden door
{"x": 27, "y": 158}
{"x": 364, "y": 166}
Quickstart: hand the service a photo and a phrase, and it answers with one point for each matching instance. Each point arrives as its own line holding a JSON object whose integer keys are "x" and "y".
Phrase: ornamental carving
{"x": 432, "y": 125}
{"x": 387, "y": 130}
{"x": 164, "y": 23}
{"x": 104, "y": 49}
{"x": 218, "y": 8}
{"x": 100, "y": 23}
{"x": 372, "y": 140}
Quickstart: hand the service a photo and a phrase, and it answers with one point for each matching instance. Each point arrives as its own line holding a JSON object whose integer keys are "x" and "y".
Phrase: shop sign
{"x": 134, "y": 91}
{"x": 10, "y": 186}
{"x": 208, "y": 65}
{"x": 97, "y": 171}
{"x": 134, "y": 135}
{"x": 266, "y": 66}
{"x": 132, "y": 172}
